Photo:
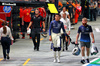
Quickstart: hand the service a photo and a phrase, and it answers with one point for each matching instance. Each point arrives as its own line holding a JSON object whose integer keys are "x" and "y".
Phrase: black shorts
{"x": 85, "y": 44}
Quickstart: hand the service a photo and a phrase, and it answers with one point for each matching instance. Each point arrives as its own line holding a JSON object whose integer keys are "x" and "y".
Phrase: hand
{"x": 68, "y": 33}
{"x": 50, "y": 39}
{"x": 28, "y": 28}
{"x": 43, "y": 29}
{"x": 22, "y": 23}
{"x": 93, "y": 41}
{"x": 76, "y": 42}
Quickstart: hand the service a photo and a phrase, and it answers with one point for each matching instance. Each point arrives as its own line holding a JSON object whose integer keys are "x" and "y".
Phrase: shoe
{"x": 8, "y": 56}
{"x": 34, "y": 48}
{"x": 87, "y": 60}
{"x": 63, "y": 49}
{"x": 66, "y": 48}
{"x": 58, "y": 60}
{"x": 30, "y": 37}
{"x": 4, "y": 60}
{"x": 37, "y": 49}
{"x": 55, "y": 61}
{"x": 23, "y": 37}
{"x": 83, "y": 61}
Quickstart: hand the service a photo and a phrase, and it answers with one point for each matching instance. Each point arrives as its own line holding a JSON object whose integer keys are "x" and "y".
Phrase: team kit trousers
{"x": 57, "y": 44}
{"x": 36, "y": 37}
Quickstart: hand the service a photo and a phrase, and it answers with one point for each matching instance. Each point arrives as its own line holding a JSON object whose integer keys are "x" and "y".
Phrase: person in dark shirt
{"x": 85, "y": 8}
{"x": 85, "y": 41}
{"x": 36, "y": 20}
{"x": 92, "y": 10}
{"x": 70, "y": 7}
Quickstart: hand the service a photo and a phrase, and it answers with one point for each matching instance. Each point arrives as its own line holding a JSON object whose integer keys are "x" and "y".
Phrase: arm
{"x": 43, "y": 26}
{"x": 69, "y": 27}
{"x": 29, "y": 25}
{"x": 69, "y": 17}
{"x": 77, "y": 36}
{"x": 50, "y": 28}
{"x": 92, "y": 35}
{"x": 10, "y": 35}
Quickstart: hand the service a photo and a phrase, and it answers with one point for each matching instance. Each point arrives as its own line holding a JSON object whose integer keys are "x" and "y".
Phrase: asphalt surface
{"x": 23, "y": 54}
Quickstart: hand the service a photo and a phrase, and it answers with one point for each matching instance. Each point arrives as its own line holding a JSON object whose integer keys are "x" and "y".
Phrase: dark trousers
{"x": 65, "y": 44}
{"x": 5, "y": 46}
{"x": 86, "y": 13}
{"x": 24, "y": 28}
{"x": 92, "y": 14}
{"x": 36, "y": 36}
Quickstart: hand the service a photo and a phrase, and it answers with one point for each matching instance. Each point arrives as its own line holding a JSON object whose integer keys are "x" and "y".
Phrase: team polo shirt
{"x": 70, "y": 8}
{"x": 21, "y": 12}
{"x": 37, "y": 21}
{"x": 56, "y": 26}
{"x": 26, "y": 14}
{"x": 85, "y": 33}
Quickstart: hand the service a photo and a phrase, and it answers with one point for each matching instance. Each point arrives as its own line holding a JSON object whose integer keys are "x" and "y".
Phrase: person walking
{"x": 36, "y": 20}
{"x": 6, "y": 38}
{"x": 92, "y": 10}
{"x": 67, "y": 27}
{"x": 85, "y": 41}
{"x": 55, "y": 36}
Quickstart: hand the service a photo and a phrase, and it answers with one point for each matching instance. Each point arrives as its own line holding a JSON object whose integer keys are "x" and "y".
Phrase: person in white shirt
{"x": 64, "y": 11}
{"x": 67, "y": 27}
{"x": 6, "y": 38}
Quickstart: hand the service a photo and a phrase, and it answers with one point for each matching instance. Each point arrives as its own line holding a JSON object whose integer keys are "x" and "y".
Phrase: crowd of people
{"x": 59, "y": 28}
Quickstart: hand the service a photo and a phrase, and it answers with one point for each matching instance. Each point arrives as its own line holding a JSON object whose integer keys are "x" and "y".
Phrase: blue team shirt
{"x": 85, "y": 33}
{"x": 56, "y": 26}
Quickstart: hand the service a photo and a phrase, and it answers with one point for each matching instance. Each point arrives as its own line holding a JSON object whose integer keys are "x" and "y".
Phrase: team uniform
{"x": 36, "y": 28}
{"x": 55, "y": 27}
{"x": 85, "y": 37}
{"x": 27, "y": 19}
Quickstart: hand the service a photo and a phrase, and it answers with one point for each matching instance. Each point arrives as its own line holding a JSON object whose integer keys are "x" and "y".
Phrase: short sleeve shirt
{"x": 85, "y": 33}
{"x": 37, "y": 21}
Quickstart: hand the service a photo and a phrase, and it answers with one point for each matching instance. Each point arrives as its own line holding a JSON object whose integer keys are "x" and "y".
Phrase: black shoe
{"x": 8, "y": 56}
{"x": 66, "y": 48}
{"x": 38, "y": 49}
{"x": 63, "y": 49}
{"x": 87, "y": 60}
{"x": 34, "y": 48}
{"x": 83, "y": 61}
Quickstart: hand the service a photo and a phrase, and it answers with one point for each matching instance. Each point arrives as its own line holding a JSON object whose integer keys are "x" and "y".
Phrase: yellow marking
{"x": 26, "y": 61}
{"x": 41, "y": 39}
{"x": 1, "y": 59}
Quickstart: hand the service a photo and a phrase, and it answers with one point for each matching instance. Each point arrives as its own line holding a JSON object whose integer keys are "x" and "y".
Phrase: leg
{"x": 3, "y": 47}
{"x": 94, "y": 14}
{"x": 63, "y": 37}
{"x": 33, "y": 39}
{"x": 82, "y": 52}
{"x": 90, "y": 15}
{"x": 54, "y": 56}
{"x": 38, "y": 41}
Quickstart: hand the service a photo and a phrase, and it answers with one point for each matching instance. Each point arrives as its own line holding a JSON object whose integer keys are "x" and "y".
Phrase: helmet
{"x": 44, "y": 34}
{"x": 29, "y": 31}
{"x": 76, "y": 51}
{"x": 94, "y": 50}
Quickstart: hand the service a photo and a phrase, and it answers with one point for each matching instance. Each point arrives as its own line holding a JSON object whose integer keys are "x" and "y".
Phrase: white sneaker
{"x": 58, "y": 60}
{"x": 54, "y": 61}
